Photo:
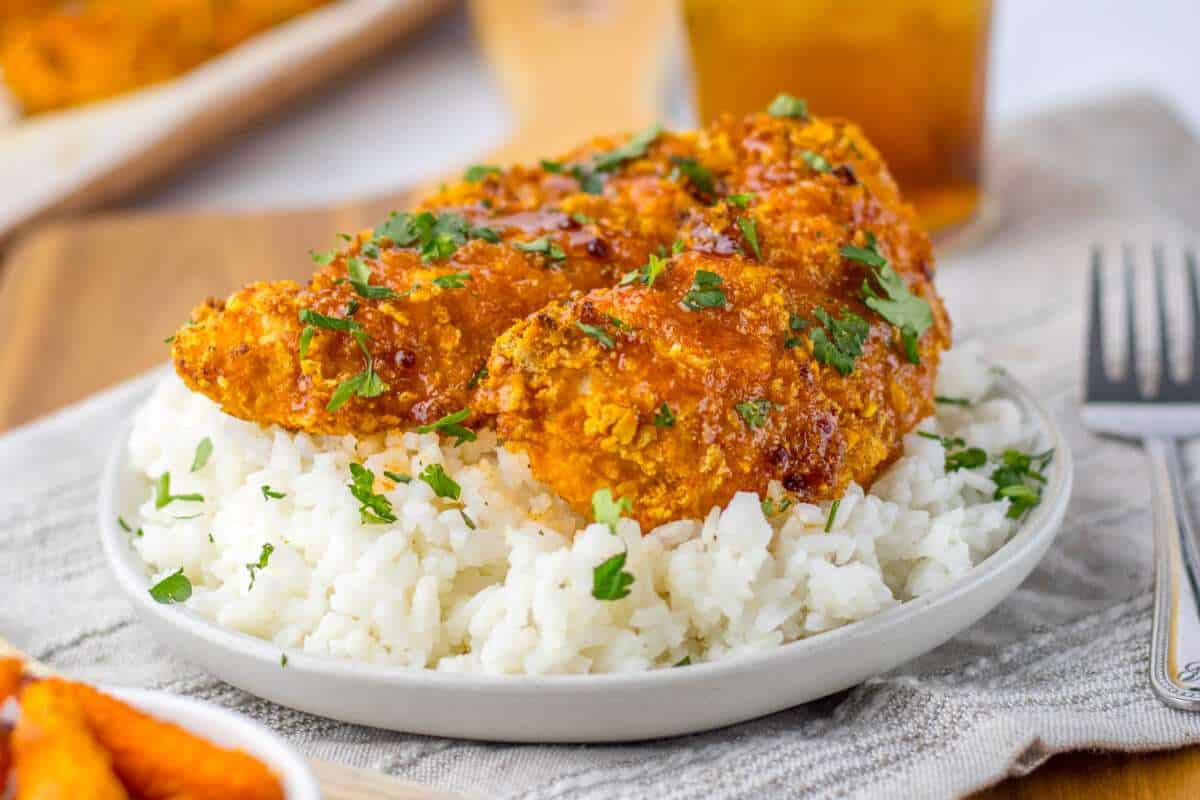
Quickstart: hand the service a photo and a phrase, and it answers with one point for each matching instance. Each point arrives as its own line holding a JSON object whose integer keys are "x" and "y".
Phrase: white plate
{"x": 227, "y": 729}
{"x": 588, "y": 708}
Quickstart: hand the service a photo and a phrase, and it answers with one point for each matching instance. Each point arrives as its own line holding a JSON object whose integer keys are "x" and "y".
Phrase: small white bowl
{"x": 227, "y": 729}
{"x": 587, "y": 708}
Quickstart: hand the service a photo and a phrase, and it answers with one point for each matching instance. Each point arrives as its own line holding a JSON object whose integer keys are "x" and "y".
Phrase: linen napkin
{"x": 1060, "y": 665}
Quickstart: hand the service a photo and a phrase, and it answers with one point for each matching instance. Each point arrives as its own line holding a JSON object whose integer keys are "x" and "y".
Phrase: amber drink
{"x": 912, "y": 73}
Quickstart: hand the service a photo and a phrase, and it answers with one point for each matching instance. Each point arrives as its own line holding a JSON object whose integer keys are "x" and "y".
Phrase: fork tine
{"x": 1130, "y": 380}
{"x": 1167, "y": 385}
{"x": 1194, "y": 307}
{"x": 1097, "y": 381}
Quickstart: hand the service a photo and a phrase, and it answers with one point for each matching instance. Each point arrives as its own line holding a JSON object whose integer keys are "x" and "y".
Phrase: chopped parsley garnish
{"x": 833, "y": 509}
{"x": 203, "y": 451}
{"x": 323, "y": 257}
{"x": 705, "y": 291}
{"x": 589, "y": 182}
{"x": 952, "y": 401}
{"x": 1020, "y": 478}
{"x": 124, "y": 525}
{"x": 163, "y": 496}
{"x": 397, "y": 477}
{"x": 618, "y": 323}
{"x": 606, "y": 510}
{"x": 375, "y": 509}
{"x": 838, "y": 342}
{"x": 596, "y": 333}
{"x": 970, "y": 458}
{"x": 694, "y": 172}
{"x": 816, "y": 161}
{"x": 479, "y": 375}
{"x": 795, "y": 323}
{"x": 453, "y": 280}
{"x": 365, "y": 384}
{"x": 470, "y": 523}
{"x": 283, "y": 659}
{"x": 892, "y": 300}
{"x": 263, "y": 558}
{"x": 318, "y": 320}
{"x": 589, "y": 179}
{"x": 175, "y": 588}
{"x": 437, "y": 237}
{"x": 741, "y": 200}
{"x": 360, "y": 281}
{"x": 647, "y": 273}
{"x": 581, "y": 218}
{"x": 664, "y": 417}
{"x": 770, "y": 508}
{"x": 313, "y": 320}
{"x": 544, "y": 245}
{"x": 477, "y": 172}
{"x": 749, "y": 228}
{"x": 441, "y": 483}
{"x": 754, "y": 412}
{"x": 686, "y": 661}
{"x": 958, "y": 455}
{"x": 610, "y": 581}
{"x": 450, "y": 426}
{"x": 633, "y": 149}
{"x": 169, "y": 339}
{"x": 270, "y": 494}
{"x": 784, "y": 105}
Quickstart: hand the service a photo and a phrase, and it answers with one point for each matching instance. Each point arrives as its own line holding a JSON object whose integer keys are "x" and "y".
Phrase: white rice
{"x": 515, "y": 594}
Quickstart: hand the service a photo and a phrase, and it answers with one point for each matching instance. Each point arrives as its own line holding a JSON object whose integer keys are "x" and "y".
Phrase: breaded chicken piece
{"x": 654, "y": 416}
{"x": 678, "y": 407}
{"x": 764, "y": 206}
{"x": 61, "y": 54}
{"x": 427, "y": 343}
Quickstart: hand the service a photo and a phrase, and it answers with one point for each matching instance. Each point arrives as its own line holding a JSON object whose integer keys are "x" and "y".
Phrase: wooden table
{"x": 84, "y": 304}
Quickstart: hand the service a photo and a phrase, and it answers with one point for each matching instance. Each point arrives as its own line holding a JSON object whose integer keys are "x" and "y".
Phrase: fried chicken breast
{"x": 676, "y": 317}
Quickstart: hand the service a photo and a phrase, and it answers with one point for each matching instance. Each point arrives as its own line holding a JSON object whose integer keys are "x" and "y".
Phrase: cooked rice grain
{"x": 514, "y": 594}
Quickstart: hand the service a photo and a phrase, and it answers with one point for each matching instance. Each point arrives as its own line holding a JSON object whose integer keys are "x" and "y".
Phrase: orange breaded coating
{"x": 678, "y": 408}
{"x": 428, "y": 341}
{"x": 55, "y": 753}
{"x": 11, "y": 674}
{"x": 820, "y": 357}
{"x": 158, "y": 760}
{"x": 62, "y": 54}
{"x": 682, "y": 407}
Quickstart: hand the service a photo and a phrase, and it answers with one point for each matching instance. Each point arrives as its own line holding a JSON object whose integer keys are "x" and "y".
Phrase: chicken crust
{"x": 583, "y": 352}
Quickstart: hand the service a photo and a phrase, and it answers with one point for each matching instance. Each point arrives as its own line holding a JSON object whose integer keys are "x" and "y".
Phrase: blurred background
{"x": 430, "y": 98}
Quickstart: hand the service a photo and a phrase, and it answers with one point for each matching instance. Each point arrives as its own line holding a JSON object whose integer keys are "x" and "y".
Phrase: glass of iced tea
{"x": 912, "y": 73}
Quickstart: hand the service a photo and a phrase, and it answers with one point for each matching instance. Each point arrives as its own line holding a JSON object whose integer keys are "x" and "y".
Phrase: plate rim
{"x": 1042, "y": 523}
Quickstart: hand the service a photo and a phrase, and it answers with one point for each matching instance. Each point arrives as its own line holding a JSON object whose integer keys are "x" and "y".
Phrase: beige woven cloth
{"x": 1060, "y": 665}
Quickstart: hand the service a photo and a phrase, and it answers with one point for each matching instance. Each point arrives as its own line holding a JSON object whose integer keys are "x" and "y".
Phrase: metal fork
{"x": 1160, "y": 418}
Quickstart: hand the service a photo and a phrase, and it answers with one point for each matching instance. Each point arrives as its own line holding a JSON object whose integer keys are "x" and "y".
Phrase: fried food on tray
{"x": 54, "y": 752}
{"x": 761, "y": 308}
{"x": 72, "y": 741}
{"x": 159, "y": 760}
{"x": 73, "y": 53}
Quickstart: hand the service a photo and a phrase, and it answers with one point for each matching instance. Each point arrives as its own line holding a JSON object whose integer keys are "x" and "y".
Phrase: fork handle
{"x": 1175, "y": 641}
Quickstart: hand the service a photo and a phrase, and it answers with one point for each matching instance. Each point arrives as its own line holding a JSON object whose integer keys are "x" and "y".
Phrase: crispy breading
{"x": 767, "y": 204}
{"x": 55, "y": 753}
{"x": 585, "y": 414}
{"x": 159, "y": 760}
{"x": 429, "y": 344}
{"x": 61, "y": 54}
